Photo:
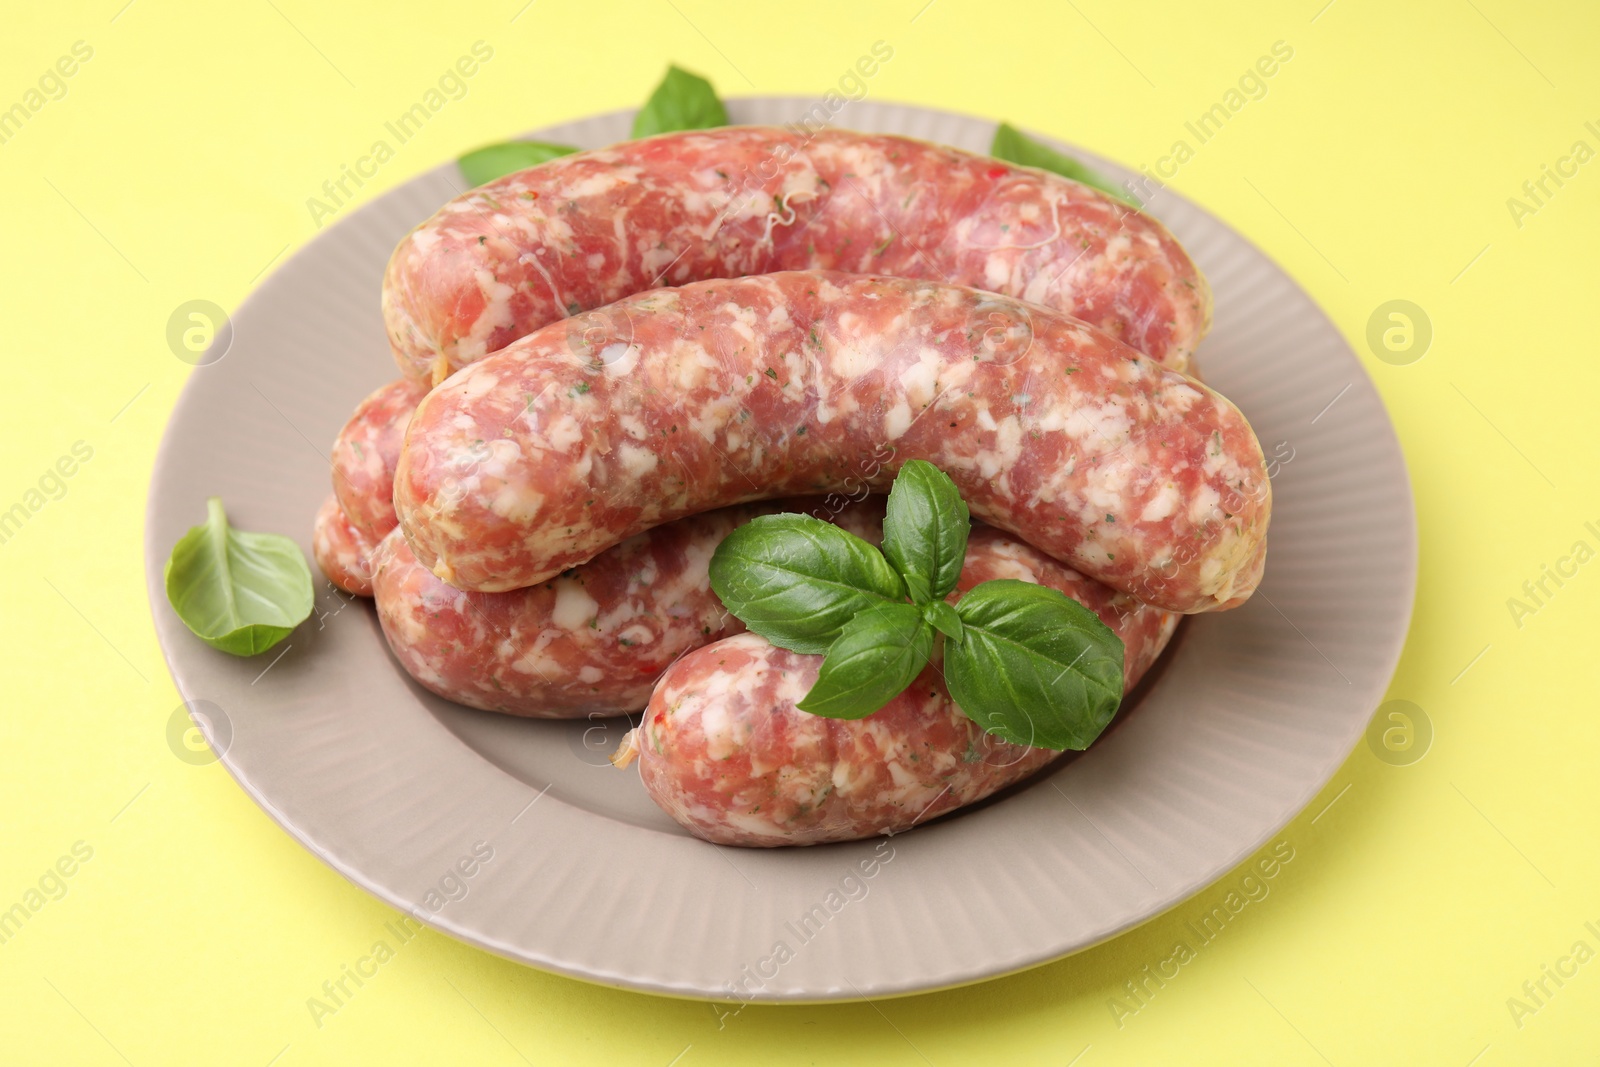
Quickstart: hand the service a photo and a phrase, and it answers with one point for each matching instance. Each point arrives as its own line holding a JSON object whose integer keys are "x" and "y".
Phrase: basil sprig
{"x": 683, "y": 101}
{"x": 1025, "y": 662}
{"x": 1014, "y": 146}
{"x": 240, "y": 592}
{"x": 485, "y": 164}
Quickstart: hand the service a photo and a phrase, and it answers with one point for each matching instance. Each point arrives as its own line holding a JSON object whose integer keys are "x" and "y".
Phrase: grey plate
{"x": 1253, "y": 712}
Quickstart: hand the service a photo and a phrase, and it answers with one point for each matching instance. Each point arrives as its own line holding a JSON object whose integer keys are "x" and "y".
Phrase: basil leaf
{"x": 238, "y": 591}
{"x": 925, "y": 530}
{"x": 797, "y": 580}
{"x": 879, "y": 653}
{"x": 943, "y": 617}
{"x": 682, "y": 101}
{"x": 1014, "y": 146}
{"x": 497, "y": 160}
{"x": 1034, "y": 666}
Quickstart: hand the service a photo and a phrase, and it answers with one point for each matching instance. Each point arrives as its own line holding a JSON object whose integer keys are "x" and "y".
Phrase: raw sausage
{"x": 585, "y": 230}
{"x": 343, "y": 552}
{"x": 351, "y": 522}
{"x": 592, "y": 641}
{"x": 678, "y": 400}
{"x": 674, "y": 401}
{"x": 724, "y": 751}
{"x": 365, "y": 454}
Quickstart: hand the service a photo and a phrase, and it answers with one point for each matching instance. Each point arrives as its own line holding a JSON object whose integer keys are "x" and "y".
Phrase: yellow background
{"x": 177, "y": 167}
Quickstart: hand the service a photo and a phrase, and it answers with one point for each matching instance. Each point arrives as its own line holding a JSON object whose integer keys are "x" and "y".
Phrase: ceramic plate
{"x": 1249, "y": 717}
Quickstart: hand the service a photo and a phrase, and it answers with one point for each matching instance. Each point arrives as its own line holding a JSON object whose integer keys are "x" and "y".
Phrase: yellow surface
{"x": 1377, "y": 166}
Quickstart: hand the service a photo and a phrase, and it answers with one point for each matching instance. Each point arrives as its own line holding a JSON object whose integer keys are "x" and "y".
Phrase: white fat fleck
{"x": 1105, "y": 488}
{"x": 1103, "y": 425}
{"x": 791, "y": 688}
{"x": 717, "y": 416}
{"x": 897, "y": 420}
{"x": 1180, "y": 397}
{"x": 657, "y": 260}
{"x": 502, "y": 458}
{"x": 563, "y": 431}
{"x": 636, "y": 461}
{"x": 848, "y": 362}
{"x": 1005, "y": 564}
{"x": 1093, "y": 554}
{"x": 1161, "y": 505}
{"x": 518, "y": 503}
{"x": 599, "y": 183}
{"x": 716, "y": 726}
{"x": 633, "y": 426}
{"x": 596, "y": 260}
{"x": 696, "y": 563}
{"x": 843, "y": 781}
{"x": 995, "y": 271}
{"x": 1008, "y": 441}
{"x": 479, "y": 383}
{"x": 637, "y": 634}
{"x": 1204, "y": 504}
{"x": 741, "y": 320}
{"x": 919, "y": 380}
{"x": 590, "y": 675}
{"x": 901, "y": 776}
{"x": 574, "y": 606}
{"x": 778, "y": 318}
{"x": 614, "y": 353}
{"x": 829, "y": 293}
{"x": 693, "y": 365}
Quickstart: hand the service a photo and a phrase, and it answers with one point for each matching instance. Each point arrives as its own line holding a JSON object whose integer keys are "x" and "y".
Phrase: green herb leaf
{"x": 797, "y": 580}
{"x": 878, "y": 654}
{"x": 1034, "y": 666}
{"x": 1014, "y": 146}
{"x": 682, "y": 101}
{"x": 943, "y": 617}
{"x": 925, "y": 530}
{"x": 238, "y": 591}
{"x": 1025, "y": 662}
{"x": 497, "y": 160}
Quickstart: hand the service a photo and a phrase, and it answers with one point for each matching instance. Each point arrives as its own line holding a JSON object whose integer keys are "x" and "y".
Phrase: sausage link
{"x": 365, "y": 454}
{"x": 679, "y": 400}
{"x": 585, "y": 230}
{"x": 590, "y": 642}
{"x": 343, "y": 552}
{"x": 725, "y": 752}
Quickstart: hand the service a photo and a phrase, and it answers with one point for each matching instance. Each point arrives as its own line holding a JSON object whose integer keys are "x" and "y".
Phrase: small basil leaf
{"x": 682, "y": 101}
{"x": 879, "y": 653}
{"x": 238, "y": 591}
{"x": 943, "y": 617}
{"x": 797, "y": 580}
{"x": 497, "y": 160}
{"x": 925, "y": 530}
{"x": 1034, "y": 666}
{"x": 1014, "y": 146}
